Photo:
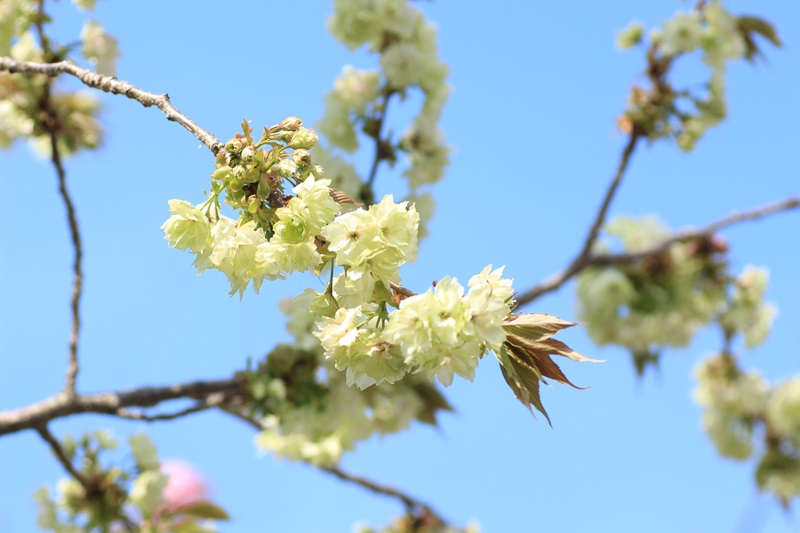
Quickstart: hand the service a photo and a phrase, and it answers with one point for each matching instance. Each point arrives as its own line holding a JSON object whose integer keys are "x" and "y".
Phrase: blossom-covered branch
{"x": 111, "y": 403}
{"x": 112, "y": 85}
{"x": 555, "y": 281}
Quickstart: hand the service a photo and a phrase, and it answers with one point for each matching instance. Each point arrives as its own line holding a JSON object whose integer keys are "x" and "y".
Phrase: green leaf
{"x": 205, "y": 509}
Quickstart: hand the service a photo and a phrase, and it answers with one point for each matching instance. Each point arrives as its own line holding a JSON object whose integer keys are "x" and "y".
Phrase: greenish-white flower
{"x": 147, "y": 491}
{"x": 187, "y": 228}
{"x": 783, "y": 408}
{"x": 100, "y": 48}
{"x": 144, "y": 451}
{"x": 630, "y": 36}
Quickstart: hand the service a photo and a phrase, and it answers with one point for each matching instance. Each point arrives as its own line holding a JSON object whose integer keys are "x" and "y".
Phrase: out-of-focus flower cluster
{"x": 21, "y": 112}
{"x": 663, "y": 299}
{"x": 408, "y": 56}
{"x": 152, "y": 496}
{"x": 745, "y": 415}
{"x": 658, "y": 301}
{"x": 685, "y": 113}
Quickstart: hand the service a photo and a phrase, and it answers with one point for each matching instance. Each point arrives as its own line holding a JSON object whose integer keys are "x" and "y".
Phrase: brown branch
{"x": 110, "y": 403}
{"x": 52, "y": 125}
{"x": 578, "y": 264}
{"x": 58, "y": 451}
{"x": 112, "y": 85}
{"x": 196, "y": 408}
{"x": 379, "y": 153}
{"x": 600, "y": 218}
{"x": 412, "y": 505}
{"x": 557, "y": 280}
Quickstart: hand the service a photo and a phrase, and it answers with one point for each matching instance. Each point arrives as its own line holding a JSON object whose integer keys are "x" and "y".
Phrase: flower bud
{"x": 291, "y": 124}
{"x": 234, "y": 146}
{"x": 248, "y": 154}
{"x": 303, "y": 138}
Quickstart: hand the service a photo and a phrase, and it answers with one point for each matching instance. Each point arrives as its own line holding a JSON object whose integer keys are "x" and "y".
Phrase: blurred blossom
{"x": 185, "y": 485}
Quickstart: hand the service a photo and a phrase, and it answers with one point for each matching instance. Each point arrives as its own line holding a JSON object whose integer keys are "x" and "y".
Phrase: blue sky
{"x": 537, "y": 88}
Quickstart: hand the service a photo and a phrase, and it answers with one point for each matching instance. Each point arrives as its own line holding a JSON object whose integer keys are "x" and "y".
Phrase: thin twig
{"x": 53, "y": 126}
{"x": 412, "y": 505}
{"x": 379, "y": 155}
{"x": 577, "y": 264}
{"x": 249, "y": 420}
{"x": 557, "y": 280}
{"x": 112, "y": 85}
{"x": 63, "y": 405}
{"x": 139, "y": 415}
{"x": 600, "y": 218}
{"x": 62, "y": 456}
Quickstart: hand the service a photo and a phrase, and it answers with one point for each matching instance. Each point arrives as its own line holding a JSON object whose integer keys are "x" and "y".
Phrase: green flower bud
{"x": 303, "y": 138}
{"x": 234, "y": 146}
{"x": 630, "y": 36}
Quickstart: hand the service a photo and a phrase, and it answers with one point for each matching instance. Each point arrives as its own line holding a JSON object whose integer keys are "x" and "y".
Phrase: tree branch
{"x": 52, "y": 125}
{"x": 577, "y": 264}
{"x": 112, "y": 85}
{"x": 412, "y": 505}
{"x": 600, "y": 218}
{"x": 111, "y": 403}
{"x": 555, "y": 281}
{"x": 196, "y": 408}
{"x": 58, "y": 451}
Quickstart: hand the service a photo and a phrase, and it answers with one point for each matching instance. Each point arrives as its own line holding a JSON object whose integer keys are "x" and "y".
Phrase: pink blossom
{"x": 184, "y": 487}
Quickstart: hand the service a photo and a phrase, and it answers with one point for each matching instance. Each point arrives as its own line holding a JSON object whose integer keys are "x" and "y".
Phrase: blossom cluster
{"x": 310, "y": 412}
{"x": 435, "y": 334}
{"x": 408, "y": 57}
{"x": 686, "y": 114}
{"x": 77, "y": 111}
{"x": 439, "y": 333}
{"x": 276, "y": 234}
{"x": 154, "y": 496}
{"x": 741, "y": 407}
{"x": 663, "y": 299}
{"x": 654, "y": 302}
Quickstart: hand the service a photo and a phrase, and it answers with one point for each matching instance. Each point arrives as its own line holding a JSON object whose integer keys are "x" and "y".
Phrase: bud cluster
{"x": 21, "y": 112}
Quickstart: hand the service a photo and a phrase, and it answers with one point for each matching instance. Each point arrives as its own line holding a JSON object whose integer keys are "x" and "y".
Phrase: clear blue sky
{"x": 539, "y": 82}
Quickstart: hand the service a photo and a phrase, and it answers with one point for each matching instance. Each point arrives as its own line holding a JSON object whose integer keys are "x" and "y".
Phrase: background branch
{"x": 112, "y": 85}
{"x": 58, "y": 451}
{"x": 557, "y": 280}
{"x": 600, "y": 218}
{"x": 52, "y": 125}
{"x": 111, "y": 403}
